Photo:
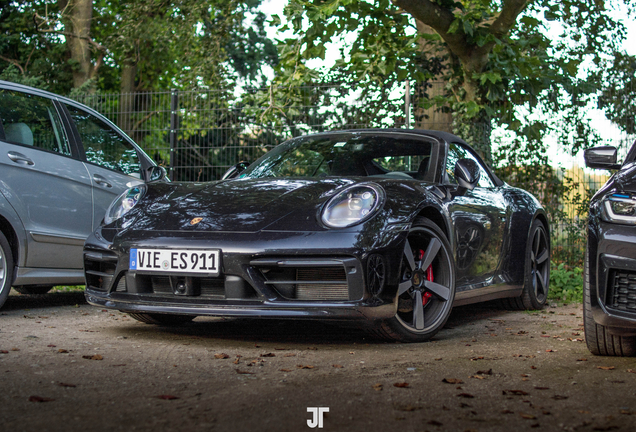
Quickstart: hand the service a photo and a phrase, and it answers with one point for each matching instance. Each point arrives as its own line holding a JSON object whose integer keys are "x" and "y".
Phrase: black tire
{"x": 536, "y": 271}
{"x": 597, "y": 337}
{"x": 162, "y": 319}
{"x": 426, "y": 246}
{"x": 6, "y": 269}
{"x": 33, "y": 289}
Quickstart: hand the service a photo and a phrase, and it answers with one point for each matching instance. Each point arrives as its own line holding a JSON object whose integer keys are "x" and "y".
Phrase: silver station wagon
{"x": 61, "y": 165}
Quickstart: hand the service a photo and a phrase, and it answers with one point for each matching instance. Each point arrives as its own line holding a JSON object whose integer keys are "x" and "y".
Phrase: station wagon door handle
{"x": 20, "y": 158}
{"x": 101, "y": 181}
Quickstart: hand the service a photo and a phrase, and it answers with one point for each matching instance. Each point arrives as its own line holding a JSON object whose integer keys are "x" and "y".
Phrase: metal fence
{"x": 198, "y": 135}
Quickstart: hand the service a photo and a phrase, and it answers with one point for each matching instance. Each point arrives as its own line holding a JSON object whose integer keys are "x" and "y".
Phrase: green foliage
{"x": 168, "y": 43}
{"x": 500, "y": 74}
{"x": 566, "y": 284}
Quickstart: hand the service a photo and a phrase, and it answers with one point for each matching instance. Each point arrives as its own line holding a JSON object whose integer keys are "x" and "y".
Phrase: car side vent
{"x": 99, "y": 269}
{"x": 622, "y": 290}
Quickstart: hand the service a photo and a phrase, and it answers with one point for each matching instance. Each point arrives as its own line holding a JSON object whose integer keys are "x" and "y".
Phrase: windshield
{"x": 346, "y": 155}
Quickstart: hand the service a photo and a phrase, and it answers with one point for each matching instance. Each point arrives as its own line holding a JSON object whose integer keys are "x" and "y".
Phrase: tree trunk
{"x": 127, "y": 96}
{"x": 77, "y": 21}
{"x": 434, "y": 118}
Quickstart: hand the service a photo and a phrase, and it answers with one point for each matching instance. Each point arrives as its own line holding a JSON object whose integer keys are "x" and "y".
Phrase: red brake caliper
{"x": 429, "y": 277}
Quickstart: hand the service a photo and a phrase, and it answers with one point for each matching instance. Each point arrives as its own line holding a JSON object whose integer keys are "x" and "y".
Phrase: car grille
{"x": 209, "y": 287}
{"x": 314, "y": 283}
{"x": 622, "y": 290}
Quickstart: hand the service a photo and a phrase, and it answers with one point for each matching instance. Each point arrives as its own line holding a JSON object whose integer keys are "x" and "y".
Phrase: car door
{"x": 479, "y": 217}
{"x": 113, "y": 162}
{"x": 43, "y": 180}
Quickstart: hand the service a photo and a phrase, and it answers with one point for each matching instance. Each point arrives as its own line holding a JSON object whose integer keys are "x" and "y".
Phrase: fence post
{"x": 174, "y": 120}
{"x": 407, "y": 105}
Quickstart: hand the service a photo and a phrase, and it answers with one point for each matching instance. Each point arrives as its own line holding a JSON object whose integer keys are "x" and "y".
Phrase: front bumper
{"x": 266, "y": 274}
{"x": 613, "y": 277}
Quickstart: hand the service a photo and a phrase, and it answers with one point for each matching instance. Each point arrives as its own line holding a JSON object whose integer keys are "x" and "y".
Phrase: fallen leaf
{"x": 242, "y": 372}
{"x": 481, "y": 377}
{"x": 527, "y": 416}
{"x": 290, "y": 355}
{"x": 377, "y": 387}
{"x": 285, "y": 370}
{"x": 93, "y": 357}
{"x": 435, "y": 423}
{"x": 438, "y": 359}
{"x": 66, "y": 385}
{"x": 507, "y": 412}
{"x": 559, "y": 397}
{"x": 401, "y": 385}
{"x": 466, "y": 395}
{"x": 541, "y": 388}
{"x": 583, "y": 412}
{"x": 453, "y": 381}
{"x": 40, "y": 399}
{"x": 476, "y": 358}
{"x": 4, "y": 352}
{"x": 407, "y": 408}
{"x": 581, "y": 359}
{"x": 631, "y": 370}
{"x": 167, "y": 397}
{"x": 481, "y": 372}
{"x": 337, "y": 366}
{"x": 15, "y": 349}
{"x": 550, "y": 350}
{"x": 268, "y": 355}
{"x": 312, "y": 348}
{"x": 515, "y": 392}
{"x": 50, "y": 346}
{"x": 533, "y": 367}
{"x": 221, "y": 356}
{"x": 605, "y": 367}
{"x": 305, "y": 366}
{"x": 62, "y": 351}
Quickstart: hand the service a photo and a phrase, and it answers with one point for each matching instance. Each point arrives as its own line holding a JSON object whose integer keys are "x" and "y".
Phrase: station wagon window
{"x": 32, "y": 121}
{"x": 456, "y": 152}
{"x": 103, "y": 145}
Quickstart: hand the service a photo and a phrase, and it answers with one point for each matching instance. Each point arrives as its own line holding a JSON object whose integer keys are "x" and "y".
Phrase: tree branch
{"x": 65, "y": 33}
{"x": 440, "y": 20}
{"x": 13, "y": 62}
{"x": 508, "y": 17}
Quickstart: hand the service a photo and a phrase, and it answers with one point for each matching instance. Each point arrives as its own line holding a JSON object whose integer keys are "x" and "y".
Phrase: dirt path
{"x": 102, "y": 371}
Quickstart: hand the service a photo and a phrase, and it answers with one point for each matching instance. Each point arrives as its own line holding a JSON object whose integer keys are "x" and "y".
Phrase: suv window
{"x": 32, "y": 121}
{"x": 103, "y": 145}
{"x": 456, "y": 152}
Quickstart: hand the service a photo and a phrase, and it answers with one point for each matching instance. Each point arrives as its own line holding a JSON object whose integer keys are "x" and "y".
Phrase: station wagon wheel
{"x": 427, "y": 285}
{"x": 6, "y": 268}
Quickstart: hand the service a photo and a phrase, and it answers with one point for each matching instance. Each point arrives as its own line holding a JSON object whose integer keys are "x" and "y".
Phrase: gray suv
{"x": 61, "y": 165}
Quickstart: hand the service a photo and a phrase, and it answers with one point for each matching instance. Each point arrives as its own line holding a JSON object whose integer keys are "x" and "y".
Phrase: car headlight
{"x": 124, "y": 203}
{"x": 352, "y": 206}
{"x": 620, "y": 208}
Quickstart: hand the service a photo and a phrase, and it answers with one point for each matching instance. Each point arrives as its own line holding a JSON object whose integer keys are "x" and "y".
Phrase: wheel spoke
{"x": 403, "y": 287}
{"x": 408, "y": 254}
{"x": 418, "y": 311}
{"x": 437, "y": 289}
{"x": 431, "y": 252}
{"x": 541, "y": 282}
{"x": 543, "y": 256}
{"x": 537, "y": 242}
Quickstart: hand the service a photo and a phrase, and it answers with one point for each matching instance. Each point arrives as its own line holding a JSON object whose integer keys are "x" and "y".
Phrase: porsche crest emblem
{"x": 195, "y": 221}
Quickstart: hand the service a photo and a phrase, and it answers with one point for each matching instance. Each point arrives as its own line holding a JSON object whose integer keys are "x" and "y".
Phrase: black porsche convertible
{"x": 390, "y": 228}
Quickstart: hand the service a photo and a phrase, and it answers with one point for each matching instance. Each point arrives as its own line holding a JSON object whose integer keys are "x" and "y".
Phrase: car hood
{"x": 245, "y": 205}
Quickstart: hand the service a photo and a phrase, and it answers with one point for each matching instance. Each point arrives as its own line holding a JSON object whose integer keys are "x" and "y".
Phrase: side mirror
{"x": 157, "y": 173}
{"x": 601, "y": 157}
{"x": 467, "y": 174}
{"x": 235, "y": 170}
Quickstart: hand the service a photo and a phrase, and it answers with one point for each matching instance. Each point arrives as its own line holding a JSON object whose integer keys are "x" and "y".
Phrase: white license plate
{"x": 175, "y": 260}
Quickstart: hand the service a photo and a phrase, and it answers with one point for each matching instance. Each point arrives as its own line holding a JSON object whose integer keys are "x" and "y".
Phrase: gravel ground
{"x": 68, "y": 366}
